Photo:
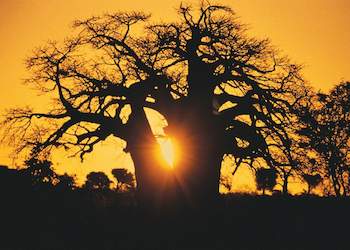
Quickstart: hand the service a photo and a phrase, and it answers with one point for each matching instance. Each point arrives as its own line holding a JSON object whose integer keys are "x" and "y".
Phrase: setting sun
{"x": 167, "y": 149}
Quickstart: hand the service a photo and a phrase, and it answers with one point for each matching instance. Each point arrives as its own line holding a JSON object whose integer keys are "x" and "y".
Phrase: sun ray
{"x": 167, "y": 150}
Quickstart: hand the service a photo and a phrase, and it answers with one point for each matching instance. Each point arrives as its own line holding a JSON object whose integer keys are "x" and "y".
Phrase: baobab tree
{"x": 221, "y": 93}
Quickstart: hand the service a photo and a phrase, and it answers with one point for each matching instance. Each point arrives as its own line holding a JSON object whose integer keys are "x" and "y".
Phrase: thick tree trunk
{"x": 194, "y": 180}
{"x": 197, "y": 129}
{"x": 196, "y": 173}
{"x": 154, "y": 180}
{"x": 198, "y": 169}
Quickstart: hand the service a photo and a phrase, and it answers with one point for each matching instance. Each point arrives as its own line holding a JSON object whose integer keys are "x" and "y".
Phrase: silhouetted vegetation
{"x": 98, "y": 181}
{"x": 224, "y": 95}
{"x": 78, "y": 218}
{"x": 125, "y": 179}
{"x": 325, "y": 132}
{"x": 265, "y": 179}
{"x": 312, "y": 181}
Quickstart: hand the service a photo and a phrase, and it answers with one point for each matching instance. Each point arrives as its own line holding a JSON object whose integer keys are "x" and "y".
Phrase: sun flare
{"x": 168, "y": 153}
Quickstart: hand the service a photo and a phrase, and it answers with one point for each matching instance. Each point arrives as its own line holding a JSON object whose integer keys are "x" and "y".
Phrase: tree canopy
{"x": 124, "y": 178}
{"x": 221, "y": 92}
{"x": 325, "y": 131}
{"x": 265, "y": 179}
{"x": 97, "y": 181}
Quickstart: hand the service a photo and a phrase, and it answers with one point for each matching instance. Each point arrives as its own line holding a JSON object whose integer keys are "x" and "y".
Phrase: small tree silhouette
{"x": 66, "y": 182}
{"x": 125, "y": 179}
{"x": 266, "y": 179}
{"x": 325, "y": 130}
{"x": 312, "y": 181}
{"x": 39, "y": 172}
{"x": 97, "y": 181}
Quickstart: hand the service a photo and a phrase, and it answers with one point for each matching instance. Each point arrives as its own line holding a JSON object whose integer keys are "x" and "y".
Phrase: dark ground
{"x": 53, "y": 219}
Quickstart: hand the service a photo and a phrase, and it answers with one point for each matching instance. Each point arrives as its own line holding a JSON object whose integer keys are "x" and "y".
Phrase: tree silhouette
{"x": 124, "y": 178}
{"x": 312, "y": 181}
{"x": 266, "y": 179}
{"x": 97, "y": 181}
{"x": 39, "y": 172}
{"x": 326, "y": 131}
{"x": 221, "y": 93}
{"x": 65, "y": 182}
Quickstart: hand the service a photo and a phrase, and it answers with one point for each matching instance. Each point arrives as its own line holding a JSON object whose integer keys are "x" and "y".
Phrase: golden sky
{"x": 314, "y": 33}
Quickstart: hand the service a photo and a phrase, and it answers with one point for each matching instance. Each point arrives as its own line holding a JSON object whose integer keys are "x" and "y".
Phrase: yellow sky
{"x": 312, "y": 32}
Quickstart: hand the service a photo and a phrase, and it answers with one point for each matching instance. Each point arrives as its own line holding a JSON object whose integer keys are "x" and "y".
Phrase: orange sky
{"x": 312, "y": 32}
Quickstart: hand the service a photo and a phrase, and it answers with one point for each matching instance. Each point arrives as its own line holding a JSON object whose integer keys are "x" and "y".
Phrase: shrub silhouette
{"x": 97, "y": 181}
{"x": 66, "y": 182}
{"x": 39, "y": 172}
{"x": 125, "y": 179}
{"x": 266, "y": 179}
{"x": 312, "y": 180}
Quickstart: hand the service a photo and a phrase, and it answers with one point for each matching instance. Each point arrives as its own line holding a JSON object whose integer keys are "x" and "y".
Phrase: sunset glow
{"x": 168, "y": 153}
{"x": 174, "y": 124}
{"x": 318, "y": 37}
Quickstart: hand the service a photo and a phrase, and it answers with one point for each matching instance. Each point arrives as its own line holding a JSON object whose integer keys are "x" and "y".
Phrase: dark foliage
{"x": 98, "y": 181}
{"x": 312, "y": 181}
{"x": 66, "y": 182}
{"x": 74, "y": 219}
{"x": 125, "y": 179}
{"x": 265, "y": 179}
{"x": 325, "y": 131}
{"x": 39, "y": 172}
